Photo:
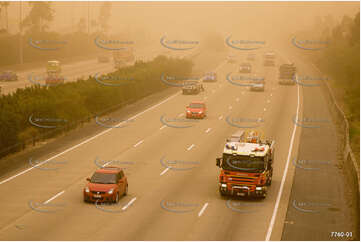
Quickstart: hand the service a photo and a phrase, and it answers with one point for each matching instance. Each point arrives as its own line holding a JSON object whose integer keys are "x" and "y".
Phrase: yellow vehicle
{"x": 53, "y": 67}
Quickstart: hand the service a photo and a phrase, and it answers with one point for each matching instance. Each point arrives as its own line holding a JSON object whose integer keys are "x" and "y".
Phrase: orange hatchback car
{"x": 106, "y": 185}
{"x": 196, "y": 110}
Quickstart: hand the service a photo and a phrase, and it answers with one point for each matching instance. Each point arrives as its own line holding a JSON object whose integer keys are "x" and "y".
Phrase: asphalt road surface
{"x": 46, "y": 202}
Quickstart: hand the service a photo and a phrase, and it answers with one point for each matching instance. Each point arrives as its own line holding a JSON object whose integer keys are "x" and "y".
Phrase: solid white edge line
{"x": 57, "y": 195}
{"x": 209, "y": 129}
{"x": 162, "y": 127}
{"x": 165, "y": 170}
{"x": 130, "y": 203}
{"x": 190, "y": 147}
{"x": 275, "y": 210}
{"x": 85, "y": 141}
{"x": 202, "y": 210}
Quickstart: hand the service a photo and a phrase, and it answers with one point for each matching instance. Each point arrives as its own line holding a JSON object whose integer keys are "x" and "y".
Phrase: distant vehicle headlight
{"x": 87, "y": 189}
{"x": 258, "y": 188}
{"x": 111, "y": 191}
{"x": 200, "y": 112}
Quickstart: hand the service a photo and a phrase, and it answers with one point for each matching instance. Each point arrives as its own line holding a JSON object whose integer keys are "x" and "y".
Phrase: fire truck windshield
{"x": 243, "y": 163}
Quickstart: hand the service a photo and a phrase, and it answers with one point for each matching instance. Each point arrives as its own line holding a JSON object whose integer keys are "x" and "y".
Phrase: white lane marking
{"x": 139, "y": 143}
{"x": 57, "y": 195}
{"x": 273, "y": 219}
{"x": 190, "y": 147}
{"x": 87, "y": 140}
{"x": 166, "y": 169}
{"x": 162, "y": 127}
{"x": 209, "y": 129}
{"x": 181, "y": 114}
{"x": 130, "y": 203}
{"x": 264, "y": 109}
{"x": 220, "y": 117}
{"x": 203, "y": 209}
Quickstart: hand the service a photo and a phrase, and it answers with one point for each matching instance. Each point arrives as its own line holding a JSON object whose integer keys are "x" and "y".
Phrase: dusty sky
{"x": 178, "y": 19}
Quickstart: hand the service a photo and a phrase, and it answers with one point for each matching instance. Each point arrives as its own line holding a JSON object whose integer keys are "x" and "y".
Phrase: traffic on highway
{"x": 191, "y": 121}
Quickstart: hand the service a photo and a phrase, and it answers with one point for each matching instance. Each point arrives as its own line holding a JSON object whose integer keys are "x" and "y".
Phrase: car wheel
{"x": 116, "y": 200}
{"x": 126, "y": 190}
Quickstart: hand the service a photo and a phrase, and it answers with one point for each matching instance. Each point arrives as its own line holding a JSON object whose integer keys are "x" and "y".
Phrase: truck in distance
{"x": 53, "y": 67}
{"x": 54, "y": 76}
{"x": 246, "y": 165}
{"x": 287, "y": 74}
{"x": 269, "y": 59}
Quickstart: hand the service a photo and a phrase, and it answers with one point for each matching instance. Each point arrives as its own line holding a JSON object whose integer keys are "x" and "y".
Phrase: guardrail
{"x": 348, "y": 156}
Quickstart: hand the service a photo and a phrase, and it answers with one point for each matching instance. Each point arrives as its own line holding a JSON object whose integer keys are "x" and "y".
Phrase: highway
{"x": 45, "y": 202}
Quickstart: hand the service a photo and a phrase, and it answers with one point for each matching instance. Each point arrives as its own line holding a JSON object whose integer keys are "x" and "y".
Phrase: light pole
{"x": 88, "y": 19}
{"x": 21, "y": 34}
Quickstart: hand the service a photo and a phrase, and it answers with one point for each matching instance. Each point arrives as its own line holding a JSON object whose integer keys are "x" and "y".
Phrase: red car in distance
{"x": 106, "y": 185}
{"x": 196, "y": 110}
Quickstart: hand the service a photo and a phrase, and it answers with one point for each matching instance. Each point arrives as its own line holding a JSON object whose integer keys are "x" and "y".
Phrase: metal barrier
{"x": 348, "y": 156}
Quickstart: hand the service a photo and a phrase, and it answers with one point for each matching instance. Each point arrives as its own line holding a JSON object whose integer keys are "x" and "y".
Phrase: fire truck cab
{"x": 246, "y": 165}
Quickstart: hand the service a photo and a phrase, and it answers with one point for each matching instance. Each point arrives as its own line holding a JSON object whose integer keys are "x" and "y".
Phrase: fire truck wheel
{"x": 269, "y": 181}
{"x": 222, "y": 193}
{"x": 263, "y": 195}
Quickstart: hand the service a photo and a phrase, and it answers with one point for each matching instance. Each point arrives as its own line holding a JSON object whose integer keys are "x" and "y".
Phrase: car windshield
{"x": 243, "y": 163}
{"x": 104, "y": 178}
{"x": 196, "y": 105}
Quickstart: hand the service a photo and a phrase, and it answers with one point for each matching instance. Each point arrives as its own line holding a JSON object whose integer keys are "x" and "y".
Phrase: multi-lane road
{"x": 45, "y": 202}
